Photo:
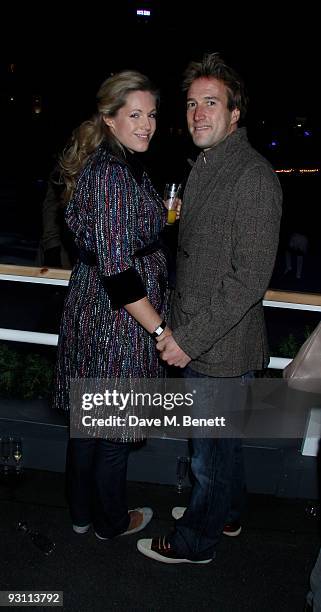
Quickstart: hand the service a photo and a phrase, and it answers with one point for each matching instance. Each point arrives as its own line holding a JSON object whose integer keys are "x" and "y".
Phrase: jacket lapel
{"x": 208, "y": 170}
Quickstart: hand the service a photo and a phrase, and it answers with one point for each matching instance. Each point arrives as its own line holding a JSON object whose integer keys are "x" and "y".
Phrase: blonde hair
{"x": 111, "y": 96}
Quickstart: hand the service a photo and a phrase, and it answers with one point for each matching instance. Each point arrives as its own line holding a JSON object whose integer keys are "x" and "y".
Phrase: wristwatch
{"x": 159, "y": 330}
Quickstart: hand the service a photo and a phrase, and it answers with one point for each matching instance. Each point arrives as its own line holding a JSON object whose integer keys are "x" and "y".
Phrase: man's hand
{"x": 172, "y": 353}
{"x": 167, "y": 332}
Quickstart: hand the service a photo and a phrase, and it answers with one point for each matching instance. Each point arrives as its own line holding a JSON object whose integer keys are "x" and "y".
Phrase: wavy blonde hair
{"x": 112, "y": 95}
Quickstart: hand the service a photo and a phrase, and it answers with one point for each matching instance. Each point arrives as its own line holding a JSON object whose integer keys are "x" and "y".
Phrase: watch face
{"x": 159, "y": 330}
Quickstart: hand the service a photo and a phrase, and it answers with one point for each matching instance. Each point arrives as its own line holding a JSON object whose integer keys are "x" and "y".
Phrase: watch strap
{"x": 159, "y": 329}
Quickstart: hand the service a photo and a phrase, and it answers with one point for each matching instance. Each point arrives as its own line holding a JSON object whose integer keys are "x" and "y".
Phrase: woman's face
{"x": 135, "y": 123}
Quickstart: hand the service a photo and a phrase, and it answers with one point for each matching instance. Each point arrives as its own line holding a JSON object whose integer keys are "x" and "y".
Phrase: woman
{"x": 117, "y": 300}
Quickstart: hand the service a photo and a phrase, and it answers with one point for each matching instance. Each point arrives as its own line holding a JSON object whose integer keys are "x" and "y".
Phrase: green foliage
{"x": 290, "y": 345}
{"x": 24, "y": 375}
{"x": 9, "y": 363}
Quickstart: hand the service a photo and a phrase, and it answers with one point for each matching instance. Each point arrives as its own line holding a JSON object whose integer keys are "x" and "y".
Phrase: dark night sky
{"x": 65, "y": 60}
{"x": 276, "y": 54}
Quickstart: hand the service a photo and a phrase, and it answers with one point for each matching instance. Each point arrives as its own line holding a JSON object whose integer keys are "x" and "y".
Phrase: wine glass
{"x": 16, "y": 452}
{"x": 5, "y": 453}
{"x": 171, "y": 195}
{"x": 40, "y": 540}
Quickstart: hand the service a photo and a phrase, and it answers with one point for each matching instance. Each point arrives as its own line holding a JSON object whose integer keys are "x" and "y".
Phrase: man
{"x": 227, "y": 245}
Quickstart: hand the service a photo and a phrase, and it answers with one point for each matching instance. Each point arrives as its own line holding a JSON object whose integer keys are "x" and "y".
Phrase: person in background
{"x": 57, "y": 249}
{"x": 313, "y": 600}
{"x": 227, "y": 243}
{"x": 116, "y": 304}
{"x": 296, "y": 249}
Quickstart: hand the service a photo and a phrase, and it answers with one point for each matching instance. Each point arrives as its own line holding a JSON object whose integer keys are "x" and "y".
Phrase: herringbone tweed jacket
{"x": 228, "y": 239}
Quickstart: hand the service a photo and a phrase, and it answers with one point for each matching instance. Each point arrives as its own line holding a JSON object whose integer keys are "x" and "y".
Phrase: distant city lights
{"x": 298, "y": 170}
{"x": 36, "y": 105}
{"x": 144, "y": 12}
{"x": 309, "y": 170}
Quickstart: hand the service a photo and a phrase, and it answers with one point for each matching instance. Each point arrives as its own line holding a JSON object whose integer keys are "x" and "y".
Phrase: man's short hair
{"x": 212, "y": 65}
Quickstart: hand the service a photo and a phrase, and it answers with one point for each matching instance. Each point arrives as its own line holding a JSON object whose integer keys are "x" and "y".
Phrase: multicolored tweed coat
{"x": 111, "y": 215}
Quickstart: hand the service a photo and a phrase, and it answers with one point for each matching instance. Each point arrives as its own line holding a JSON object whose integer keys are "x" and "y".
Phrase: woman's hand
{"x": 167, "y": 332}
{"x": 178, "y": 206}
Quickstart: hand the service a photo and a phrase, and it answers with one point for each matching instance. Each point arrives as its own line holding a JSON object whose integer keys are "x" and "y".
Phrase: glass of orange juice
{"x": 171, "y": 195}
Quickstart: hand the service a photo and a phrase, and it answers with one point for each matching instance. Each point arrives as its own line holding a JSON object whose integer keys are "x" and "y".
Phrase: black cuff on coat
{"x": 124, "y": 288}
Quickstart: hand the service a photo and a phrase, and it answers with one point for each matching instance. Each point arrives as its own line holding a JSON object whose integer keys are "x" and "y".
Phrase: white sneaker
{"x": 100, "y": 537}
{"x": 177, "y": 512}
{"x": 160, "y": 550}
{"x": 147, "y": 517}
{"x": 81, "y": 528}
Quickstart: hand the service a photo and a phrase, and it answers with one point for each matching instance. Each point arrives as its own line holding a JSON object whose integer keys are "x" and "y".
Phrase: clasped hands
{"x": 170, "y": 351}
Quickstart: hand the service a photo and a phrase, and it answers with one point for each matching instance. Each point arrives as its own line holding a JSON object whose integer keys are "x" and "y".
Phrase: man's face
{"x": 208, "y": 118}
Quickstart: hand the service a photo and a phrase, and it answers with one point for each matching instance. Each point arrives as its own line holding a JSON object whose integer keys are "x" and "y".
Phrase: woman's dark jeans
{"x": 218, "y": 489}
{"x": 96, "y": 474}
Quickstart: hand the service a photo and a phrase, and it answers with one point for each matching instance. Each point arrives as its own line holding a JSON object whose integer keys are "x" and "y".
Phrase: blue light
{"x": 307, "y": 133}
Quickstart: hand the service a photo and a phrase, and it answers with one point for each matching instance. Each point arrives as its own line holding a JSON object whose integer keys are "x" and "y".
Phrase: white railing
{"x": 272, "y": 299}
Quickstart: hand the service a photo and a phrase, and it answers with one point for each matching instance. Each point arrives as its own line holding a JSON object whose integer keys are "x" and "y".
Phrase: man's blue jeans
{"x": 218, "y": 489}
